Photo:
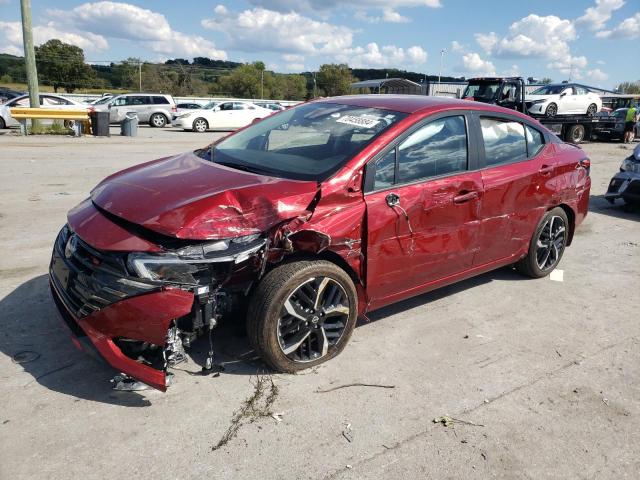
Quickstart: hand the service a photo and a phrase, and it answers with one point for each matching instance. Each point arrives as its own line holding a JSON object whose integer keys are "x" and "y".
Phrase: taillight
{"x": 174, "y": 109}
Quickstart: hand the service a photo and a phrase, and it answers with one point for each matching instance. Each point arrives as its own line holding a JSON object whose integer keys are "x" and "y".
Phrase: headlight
{"x": 193, "y": 264}
{"x": 537, "y": 102}
{"x": 184, "y": 115}
{"x": 629, "y": 165}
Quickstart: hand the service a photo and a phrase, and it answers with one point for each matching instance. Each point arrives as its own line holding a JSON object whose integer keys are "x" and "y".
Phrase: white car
{"x": 47, "y": 100}
{"x": 220, "y": 116}
{"x": 563, "y": 99}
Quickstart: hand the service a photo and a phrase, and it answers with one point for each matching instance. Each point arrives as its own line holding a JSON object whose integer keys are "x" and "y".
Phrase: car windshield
{"x": 482, "y": 91}
{"x": 102, "y": 100}
{"x": 549, "y": 90}
{"x": 210, "y": 105}
{"x": 309, "y": 142}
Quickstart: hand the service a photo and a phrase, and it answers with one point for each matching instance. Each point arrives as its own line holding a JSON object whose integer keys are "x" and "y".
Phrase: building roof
{"x": 395, "y": 83}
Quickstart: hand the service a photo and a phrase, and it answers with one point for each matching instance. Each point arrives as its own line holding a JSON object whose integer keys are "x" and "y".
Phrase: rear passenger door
{"x": 517, "y": 178}
{"x": 422, "y": 208}
{"x": 139, "y": 104}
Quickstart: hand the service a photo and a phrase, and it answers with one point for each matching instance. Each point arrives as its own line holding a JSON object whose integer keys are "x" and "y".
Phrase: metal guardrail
{"x": 24, "y": 114}
{"x": 83, "y": 97}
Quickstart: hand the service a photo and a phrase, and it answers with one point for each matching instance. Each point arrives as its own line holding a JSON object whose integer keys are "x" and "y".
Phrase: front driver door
{"x": 422, "y": 210}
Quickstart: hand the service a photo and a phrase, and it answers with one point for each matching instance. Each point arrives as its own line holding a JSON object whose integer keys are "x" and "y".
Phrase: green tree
{"x": 126, "y": 74}
{"x": 335, "y": 79}
{"x": 242, "y": 82}
{"x": 62, "y": 66}
{"x": 631, "y": 88}
{"x": 546, "y": 81}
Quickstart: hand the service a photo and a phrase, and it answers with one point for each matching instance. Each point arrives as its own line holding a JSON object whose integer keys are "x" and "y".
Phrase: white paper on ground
{"x": 557, "y": 276}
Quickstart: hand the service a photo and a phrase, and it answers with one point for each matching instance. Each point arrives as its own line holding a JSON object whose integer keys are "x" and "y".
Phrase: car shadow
{"x": 37, "y": 339}
{"x": 598, "y": 204}
{"x": 505, "y": 273}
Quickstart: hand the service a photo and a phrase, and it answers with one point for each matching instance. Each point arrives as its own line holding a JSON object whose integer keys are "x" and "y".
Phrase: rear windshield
{"x": 482, "y": 91}
{"x": 308, "y": 142}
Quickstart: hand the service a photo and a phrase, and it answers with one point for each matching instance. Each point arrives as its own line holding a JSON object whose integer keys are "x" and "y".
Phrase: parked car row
{"x": 158, "y": 110}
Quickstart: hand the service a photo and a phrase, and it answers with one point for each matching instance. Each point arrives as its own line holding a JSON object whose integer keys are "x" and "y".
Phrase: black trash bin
{"x": 99, "y": 124}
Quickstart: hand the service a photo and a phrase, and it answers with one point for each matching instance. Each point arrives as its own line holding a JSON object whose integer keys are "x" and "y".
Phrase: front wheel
{"x": 158, "y": 120}
{"x": 547, "y": 245}
{"x": 200, "y": 125}
{"x": 592, "y": 110}
{"x": 302, "y": 314}
{"x": 552, "y": 110}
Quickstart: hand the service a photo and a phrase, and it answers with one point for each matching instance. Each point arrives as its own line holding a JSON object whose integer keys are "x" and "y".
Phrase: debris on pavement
{"x": 347, "y": 433}
{"x": 125, "y": 383}
{"x": 448, "y": 421}
{"x": 355, "y": 385}
{"x": 257, "y": 406}
{"x": 557, "y": 275}
{"x": 277, "y": 416}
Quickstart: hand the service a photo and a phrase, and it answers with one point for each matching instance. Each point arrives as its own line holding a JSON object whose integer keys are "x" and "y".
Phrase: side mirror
{"x": 216, "y": 109}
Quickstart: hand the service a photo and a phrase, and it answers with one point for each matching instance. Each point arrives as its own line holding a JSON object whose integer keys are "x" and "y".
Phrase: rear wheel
{"x": 547, "y": 245}
{"x": 158, "y": 120}
{"x": 200, "y": 125}
{"x": 552, "y": 110}
{"x": 2, "y": 124}
{"x": 592, "y": 110}
{"x": 302, "y": 314}
{"x": 575, "y": 134}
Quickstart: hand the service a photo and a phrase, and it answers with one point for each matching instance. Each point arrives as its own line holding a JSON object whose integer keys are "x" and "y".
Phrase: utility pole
{"x": 442, "y": 52}
{"x": 262, "y": 84}
{"x": 314, "y": 84}
{"x": 139, "y": 75}
{"x": 29, "y": 55}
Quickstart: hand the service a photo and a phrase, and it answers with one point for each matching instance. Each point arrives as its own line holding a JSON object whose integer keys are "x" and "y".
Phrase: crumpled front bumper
{"x": 625, "y": 185}
{"x": 100, "y": 307}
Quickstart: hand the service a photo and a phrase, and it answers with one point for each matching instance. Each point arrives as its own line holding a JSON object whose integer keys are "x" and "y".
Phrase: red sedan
{"x": 309, "y": 218}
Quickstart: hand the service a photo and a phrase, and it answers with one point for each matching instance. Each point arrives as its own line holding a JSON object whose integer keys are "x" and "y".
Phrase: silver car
{"x": 153, "y": 108}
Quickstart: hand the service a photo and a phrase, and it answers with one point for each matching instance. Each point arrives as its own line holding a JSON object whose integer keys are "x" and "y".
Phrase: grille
{"x": 88, "y": 280}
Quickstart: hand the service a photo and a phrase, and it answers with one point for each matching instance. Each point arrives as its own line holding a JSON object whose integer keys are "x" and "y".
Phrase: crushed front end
{"x": 626, "y": 183}
{"x": 135, "y": 301}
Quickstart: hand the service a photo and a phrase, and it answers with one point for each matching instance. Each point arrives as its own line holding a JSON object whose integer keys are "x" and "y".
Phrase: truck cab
{"x": 506, "y": 92}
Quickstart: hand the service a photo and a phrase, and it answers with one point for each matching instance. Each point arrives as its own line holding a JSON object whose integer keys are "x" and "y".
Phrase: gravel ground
{"x": 542, "y": 376}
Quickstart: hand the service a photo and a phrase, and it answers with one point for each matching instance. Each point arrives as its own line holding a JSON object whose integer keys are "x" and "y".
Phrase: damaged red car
{"x": 307, "y": 219}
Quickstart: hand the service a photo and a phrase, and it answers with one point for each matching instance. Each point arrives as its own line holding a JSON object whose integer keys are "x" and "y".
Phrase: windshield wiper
{"x": 245, "y": 168}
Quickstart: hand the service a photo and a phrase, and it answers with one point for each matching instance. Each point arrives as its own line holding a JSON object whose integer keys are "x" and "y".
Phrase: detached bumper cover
{"x": 99, "y": 305}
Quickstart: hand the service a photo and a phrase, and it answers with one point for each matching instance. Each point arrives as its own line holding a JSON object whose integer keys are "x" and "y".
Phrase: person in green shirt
{"x": 630, "y": 124}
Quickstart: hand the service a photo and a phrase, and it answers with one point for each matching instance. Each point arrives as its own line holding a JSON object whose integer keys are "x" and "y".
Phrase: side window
{"x": 385, "y": 171}
{"x": 535, "y": 141}
{"x": 137, "y": 100}
{"x": 438, "y": 148}
{"x": 120, "y": 101}
{"x": 159, "y": 100}
{"x": 239, "y": 106}
{"x": 226, "y": 106}
{"x": 504, "y": 141}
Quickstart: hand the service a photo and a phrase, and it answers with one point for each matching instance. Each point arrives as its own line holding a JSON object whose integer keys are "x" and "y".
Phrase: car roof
{"x": 416, "y": 103}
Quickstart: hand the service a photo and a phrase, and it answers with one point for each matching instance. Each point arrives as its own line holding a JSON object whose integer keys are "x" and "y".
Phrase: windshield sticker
{"x": 362, "y": 121}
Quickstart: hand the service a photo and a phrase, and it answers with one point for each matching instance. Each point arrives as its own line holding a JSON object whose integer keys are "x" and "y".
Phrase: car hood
{"x": 187, "y": 197}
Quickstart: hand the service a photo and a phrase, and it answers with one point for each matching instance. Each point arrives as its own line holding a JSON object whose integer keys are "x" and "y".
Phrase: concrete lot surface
{"x": 545, "y": 373}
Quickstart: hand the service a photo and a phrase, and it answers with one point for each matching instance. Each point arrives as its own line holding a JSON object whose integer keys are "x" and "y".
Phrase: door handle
{"x": 465, "y": 197}
{"x": 393, "y": 200}
{"x": 546, "y": 170}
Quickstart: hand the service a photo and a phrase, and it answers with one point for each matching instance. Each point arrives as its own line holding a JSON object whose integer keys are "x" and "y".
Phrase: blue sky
{"x": 594, "y": 41}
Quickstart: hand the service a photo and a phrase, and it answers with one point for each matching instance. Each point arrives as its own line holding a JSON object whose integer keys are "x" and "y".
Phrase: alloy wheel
{"x": 551, "y": 242}
{"x": 591, "y": 111}
{"x": 552, "y": 110}
{"x": 200, "y": 125}
{"x": 159, "y": 120}
{"x": 313, "y": 319}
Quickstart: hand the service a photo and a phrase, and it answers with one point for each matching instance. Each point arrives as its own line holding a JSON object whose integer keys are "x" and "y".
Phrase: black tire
{"x": 592, "y": 110}
{"x": 2, "y": 124}
{"x": 575, "y": 134}
{"x": 267, "y": 313}
{"x": 530, "y": 265}
{"x": 551, "y": 111}
{"x": 200, "y": 125}
{"x": 158, "y": 120}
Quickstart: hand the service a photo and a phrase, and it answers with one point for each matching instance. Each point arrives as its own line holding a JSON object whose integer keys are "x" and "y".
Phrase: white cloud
{"x": 221, "y": 10}
{"x": 473, "y": 63}
{"x": 265, "y": 30}
{"x": 628, "y": 28}
{"x": 373, "y": 56}
{"x": 320, "y": 5}
{"x": 457, "y": 47}
{"x": 11, "y": 37}
{"x": 289, "y": 57}
{"x": 391, "y": 16}
{"x": 596, "y": 17}
{"x": 129, "y": 22}
{"x": 539, "y": 37}
{"x": 597, "y": 75}
{"x": 294, "y": 67}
